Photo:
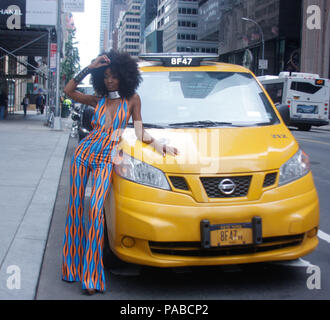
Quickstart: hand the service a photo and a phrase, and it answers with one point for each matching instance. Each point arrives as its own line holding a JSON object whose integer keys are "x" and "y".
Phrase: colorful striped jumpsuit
{"x": 82, "y": 252}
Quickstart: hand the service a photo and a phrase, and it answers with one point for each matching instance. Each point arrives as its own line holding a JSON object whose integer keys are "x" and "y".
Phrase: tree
{"x": 71, "y": 63}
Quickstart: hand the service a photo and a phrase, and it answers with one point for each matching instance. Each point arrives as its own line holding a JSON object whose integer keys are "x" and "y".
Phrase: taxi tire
{"x": 110, "y": 260}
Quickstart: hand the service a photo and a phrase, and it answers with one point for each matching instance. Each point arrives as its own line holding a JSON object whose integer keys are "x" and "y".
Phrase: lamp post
{"x": 57, "y": 116}
{"x": 262, "y": 39}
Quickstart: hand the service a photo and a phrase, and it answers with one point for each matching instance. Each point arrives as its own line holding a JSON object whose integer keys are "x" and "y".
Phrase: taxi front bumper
{"x": 167, "y": 233}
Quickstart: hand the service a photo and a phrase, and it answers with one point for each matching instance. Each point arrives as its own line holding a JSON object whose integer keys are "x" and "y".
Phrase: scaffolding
{"x": 18, "y": 68}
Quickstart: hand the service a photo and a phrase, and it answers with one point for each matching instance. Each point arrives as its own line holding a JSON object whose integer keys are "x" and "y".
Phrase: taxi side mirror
{"x": 284, "y": 111}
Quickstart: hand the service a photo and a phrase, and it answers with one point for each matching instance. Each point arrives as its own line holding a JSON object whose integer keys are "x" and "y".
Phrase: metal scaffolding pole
{"x": 48, "y": 76}
{"x": 25, "y": 45}
{"x": 57, "y": 118}
{"x": 40, "y": 72}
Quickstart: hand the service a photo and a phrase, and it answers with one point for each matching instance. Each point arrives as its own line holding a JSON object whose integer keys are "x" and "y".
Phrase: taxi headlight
{"x": 140, "y": 172}
{"x": 295, "y": 168}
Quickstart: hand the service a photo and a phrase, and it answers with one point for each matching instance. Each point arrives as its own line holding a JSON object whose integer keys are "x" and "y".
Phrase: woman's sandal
{"x": 91, "y": 291}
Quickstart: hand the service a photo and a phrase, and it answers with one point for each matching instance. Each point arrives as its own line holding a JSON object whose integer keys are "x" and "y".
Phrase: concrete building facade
{"x": 148, "y": 26}
{"x": 105, "y": 25}
{"x": 315, "y": 42}
{"x": 129, "y": 29}
{"x": 178, "y": 19}
{"x": 116, "y": 7}
{"x": 240, "y": 41}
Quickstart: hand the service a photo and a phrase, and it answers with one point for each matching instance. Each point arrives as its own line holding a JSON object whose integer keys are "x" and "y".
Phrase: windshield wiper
{"x": 204, "y": 123}
{"x": 261, "y": 124}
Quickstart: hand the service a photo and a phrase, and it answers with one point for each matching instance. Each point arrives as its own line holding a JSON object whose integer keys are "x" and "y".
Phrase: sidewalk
{"x": 326, "y": 128}
{"x": 31, "y": 159}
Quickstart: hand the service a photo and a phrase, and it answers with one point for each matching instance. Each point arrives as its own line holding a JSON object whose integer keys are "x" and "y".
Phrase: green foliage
{"x": 71, "y": 64}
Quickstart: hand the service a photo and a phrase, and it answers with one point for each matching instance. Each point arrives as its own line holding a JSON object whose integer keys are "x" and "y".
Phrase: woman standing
{"x": 25, "y": 103}
{"x": 115, "y": 78}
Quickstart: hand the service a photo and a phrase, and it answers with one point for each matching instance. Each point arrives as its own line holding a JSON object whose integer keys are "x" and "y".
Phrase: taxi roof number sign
{"x": 179, "y": 60}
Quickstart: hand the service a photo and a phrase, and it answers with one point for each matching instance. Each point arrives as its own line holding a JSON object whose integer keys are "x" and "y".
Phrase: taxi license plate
{"x": 231, "y": 234}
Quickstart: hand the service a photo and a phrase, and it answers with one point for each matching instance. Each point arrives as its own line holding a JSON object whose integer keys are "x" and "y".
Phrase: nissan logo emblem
{"x": 227, "y": 186}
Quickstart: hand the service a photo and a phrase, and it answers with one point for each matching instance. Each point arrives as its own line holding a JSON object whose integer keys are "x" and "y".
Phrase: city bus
{"x": 86, "y": 88}
{"x": 306, "y": 94}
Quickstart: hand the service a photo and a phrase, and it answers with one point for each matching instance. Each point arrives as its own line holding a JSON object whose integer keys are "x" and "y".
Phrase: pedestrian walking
{"x": 25, "y": 103}
{"x": 115, "y": 78}
{"x": 40, "y": 103}
{"x": 3, "y": 103}
{"x": 66, "y": 108}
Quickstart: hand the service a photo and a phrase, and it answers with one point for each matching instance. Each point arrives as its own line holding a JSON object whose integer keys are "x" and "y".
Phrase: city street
{"x": 262, "y": 281}
{"x": 94, "y": 68}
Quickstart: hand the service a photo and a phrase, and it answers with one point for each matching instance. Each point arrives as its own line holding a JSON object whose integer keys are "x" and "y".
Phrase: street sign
{"x": 263, "y": 64}
{"x": 53, "y": 50}
{"x": 41, "y": 12}
{"x": 73, "y": 5}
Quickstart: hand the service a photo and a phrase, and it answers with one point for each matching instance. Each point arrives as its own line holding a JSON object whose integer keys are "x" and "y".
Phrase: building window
{"x": 131, "y": 40}
{"x": 133, "y": 20}
{"x": 136, "y": 34}
{"x": 186, "y": 36}
{"x": 130, "y": 46}
{"x": 132, "y": 26}
{"x": 187, "y": 11}
{"x": 187, "y": 24}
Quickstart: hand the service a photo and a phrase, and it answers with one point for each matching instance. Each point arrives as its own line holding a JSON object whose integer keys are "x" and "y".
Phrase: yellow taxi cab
{"x": 240, "y": 191}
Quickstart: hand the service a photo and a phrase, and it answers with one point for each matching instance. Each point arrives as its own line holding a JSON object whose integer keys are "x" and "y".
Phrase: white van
{"x": 306, "y": 94}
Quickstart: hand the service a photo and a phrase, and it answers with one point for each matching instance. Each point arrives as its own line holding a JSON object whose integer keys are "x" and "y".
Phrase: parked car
{"x": 240, "y": 191}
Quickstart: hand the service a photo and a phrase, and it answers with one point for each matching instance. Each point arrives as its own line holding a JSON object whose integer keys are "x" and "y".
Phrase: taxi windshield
{"x": 203, "y": 99}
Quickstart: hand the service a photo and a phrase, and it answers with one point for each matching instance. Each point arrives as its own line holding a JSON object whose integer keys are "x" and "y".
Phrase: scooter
{"x": 82, "y": 117}
{"x": 75, "y": 116}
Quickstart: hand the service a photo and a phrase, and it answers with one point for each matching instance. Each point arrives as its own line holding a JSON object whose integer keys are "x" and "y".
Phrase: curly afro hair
{"x": 124, "y": 68}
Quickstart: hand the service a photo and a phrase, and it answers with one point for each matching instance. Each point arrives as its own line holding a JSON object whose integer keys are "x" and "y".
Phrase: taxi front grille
{"x": 194, "y": 249}
{"x": 270, "y": 179}
{"x": 179, "y": 182}
{"x": 211, "y": 186}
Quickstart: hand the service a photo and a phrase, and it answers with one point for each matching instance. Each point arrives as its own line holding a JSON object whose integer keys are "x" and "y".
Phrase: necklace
{"x": 113, "y": 95}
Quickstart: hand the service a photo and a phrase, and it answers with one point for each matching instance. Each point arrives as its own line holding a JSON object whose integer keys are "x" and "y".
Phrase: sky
{"x": 88, "y": 32}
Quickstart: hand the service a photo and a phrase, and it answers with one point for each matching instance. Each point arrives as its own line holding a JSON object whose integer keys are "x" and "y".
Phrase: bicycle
{"x": 50, "y": 116}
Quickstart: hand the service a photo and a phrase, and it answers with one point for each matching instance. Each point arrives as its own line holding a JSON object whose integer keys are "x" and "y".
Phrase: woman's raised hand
{"x": 170, "y": 150}
{"x": 100, "y": 61}
{"x": 165, "y": 149}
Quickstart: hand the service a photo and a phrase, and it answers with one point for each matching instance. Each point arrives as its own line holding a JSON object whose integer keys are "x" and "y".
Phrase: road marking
{"x": 314, "y": 141}
{"x": 324, "y": 236}
{"x": 294, "y": 263}
{"x": 301, "y": 262}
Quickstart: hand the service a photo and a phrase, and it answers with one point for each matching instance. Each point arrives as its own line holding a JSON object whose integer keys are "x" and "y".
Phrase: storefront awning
{"x": 24, "y": 42}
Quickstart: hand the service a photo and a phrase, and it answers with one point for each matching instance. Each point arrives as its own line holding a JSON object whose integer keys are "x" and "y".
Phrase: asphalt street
{"x": 250, "y": 282}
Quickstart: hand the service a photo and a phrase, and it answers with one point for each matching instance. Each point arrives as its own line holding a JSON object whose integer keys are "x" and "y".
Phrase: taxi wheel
{"x": 110, "y": 260}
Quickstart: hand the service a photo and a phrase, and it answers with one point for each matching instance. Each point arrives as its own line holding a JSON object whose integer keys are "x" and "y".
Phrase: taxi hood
{"x": 216, "y": 150}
